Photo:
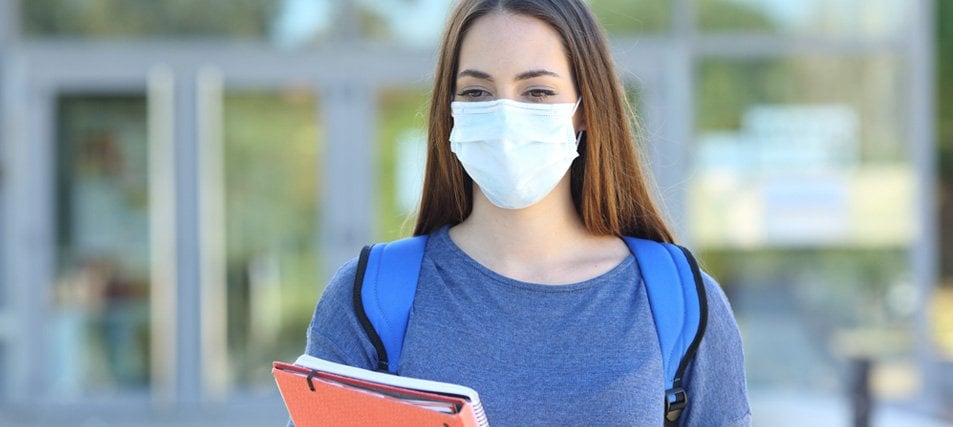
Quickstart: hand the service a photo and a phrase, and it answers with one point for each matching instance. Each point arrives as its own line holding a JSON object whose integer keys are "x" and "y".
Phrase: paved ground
{"x": 789, "y": 409}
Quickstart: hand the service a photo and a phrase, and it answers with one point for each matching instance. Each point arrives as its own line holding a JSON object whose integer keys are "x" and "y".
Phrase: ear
{"x": 579, "y": 121}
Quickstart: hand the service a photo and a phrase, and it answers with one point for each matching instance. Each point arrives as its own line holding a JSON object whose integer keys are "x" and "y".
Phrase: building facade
{"x": 179, "y": 180}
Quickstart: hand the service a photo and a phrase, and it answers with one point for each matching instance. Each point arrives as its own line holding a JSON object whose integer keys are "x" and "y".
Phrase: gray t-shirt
{"x": 578, "y": 354}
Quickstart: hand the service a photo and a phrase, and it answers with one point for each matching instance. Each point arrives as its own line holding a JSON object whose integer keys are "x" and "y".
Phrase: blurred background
{"x": 179, "y": 179}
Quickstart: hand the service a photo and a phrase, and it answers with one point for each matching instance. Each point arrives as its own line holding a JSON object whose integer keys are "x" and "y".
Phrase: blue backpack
{"x": 386, "y": 281}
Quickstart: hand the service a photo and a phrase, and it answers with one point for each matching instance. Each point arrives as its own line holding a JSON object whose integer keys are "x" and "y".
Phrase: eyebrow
{"x": 476, "y": 74}
{"x": 535, "y": 73}
{"x": 526, "y": 75}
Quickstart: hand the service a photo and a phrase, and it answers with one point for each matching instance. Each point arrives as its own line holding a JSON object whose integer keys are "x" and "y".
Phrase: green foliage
{"x": 729, "y": 15}
{"x": 728, "y": 87}
{"x": 944, "y": 131}
{"x": 868, "y": 85}
{"x": 271, "y": 151}
{"x": 270, "y": 167}
{"x": 124, "y": 18}
{"x": 944, "y": 77}
{"x": 373, "y": 25}
{"x": 400, "y": 111}
{"x": 632, "y": 16}
{"x": 820, "y": 279}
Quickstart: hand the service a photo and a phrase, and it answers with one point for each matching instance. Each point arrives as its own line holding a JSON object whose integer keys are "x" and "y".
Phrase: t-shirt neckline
{"x": 442, "y": 236}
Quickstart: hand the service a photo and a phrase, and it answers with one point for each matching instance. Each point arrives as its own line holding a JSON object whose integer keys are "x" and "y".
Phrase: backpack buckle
{"x": 676, "y": 399}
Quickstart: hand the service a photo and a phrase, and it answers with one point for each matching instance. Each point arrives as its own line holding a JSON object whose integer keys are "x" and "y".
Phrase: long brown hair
{"x": 609, "y": 186}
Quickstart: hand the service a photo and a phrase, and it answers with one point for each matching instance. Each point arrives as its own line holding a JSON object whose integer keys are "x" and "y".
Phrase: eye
{"x": 473, "y": 95}
{"x": 539, "y": 95}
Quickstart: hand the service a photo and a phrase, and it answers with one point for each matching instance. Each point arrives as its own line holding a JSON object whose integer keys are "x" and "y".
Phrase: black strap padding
{"x": 672, "y": 414}
{"x": 362, "y": 315}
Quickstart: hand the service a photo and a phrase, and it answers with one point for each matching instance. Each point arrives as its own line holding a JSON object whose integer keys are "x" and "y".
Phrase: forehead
{"x": 505, "y": 44}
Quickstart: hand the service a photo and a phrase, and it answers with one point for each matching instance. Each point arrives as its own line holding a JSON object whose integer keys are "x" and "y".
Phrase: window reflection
{"x": 100, "y": 307}
{"x": 271, "y": 149}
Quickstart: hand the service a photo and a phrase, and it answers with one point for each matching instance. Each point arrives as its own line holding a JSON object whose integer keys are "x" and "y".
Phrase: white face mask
{"x": 515, "y": 151}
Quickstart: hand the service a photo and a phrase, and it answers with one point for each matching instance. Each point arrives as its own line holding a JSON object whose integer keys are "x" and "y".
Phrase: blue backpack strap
{"x": 384, "y": 288}
{"x": 679, "y": 306}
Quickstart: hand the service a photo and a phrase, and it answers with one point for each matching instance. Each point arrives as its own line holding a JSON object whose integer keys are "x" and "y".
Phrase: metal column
{"x": 349, "y": 173}
{"x": 921, "y": 133}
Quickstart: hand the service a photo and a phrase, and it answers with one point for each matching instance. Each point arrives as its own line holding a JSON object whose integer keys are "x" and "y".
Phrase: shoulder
{"x": 722, "y": 338}
{"x": 722, "y": 330}
{"x": 719, "y": 308}
{"x": 338, "y": 293}
{"x": 715, "y": 379}
{"x": 335, "y": 333}
{"x": 341, "y": 284}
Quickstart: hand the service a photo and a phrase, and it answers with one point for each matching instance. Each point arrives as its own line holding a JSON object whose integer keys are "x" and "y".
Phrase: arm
{"x": 335, "y": 334}
{"x": 715, "y": 381}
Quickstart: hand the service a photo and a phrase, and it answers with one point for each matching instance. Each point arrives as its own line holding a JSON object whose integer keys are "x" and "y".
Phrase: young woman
{"x": 527, "y": 293}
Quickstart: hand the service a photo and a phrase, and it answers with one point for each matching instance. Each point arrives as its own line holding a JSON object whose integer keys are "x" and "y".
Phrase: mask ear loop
{"x": 578, "y": 134}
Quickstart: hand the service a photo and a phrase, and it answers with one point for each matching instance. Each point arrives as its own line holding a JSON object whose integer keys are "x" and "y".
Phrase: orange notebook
{"x": 322, "y": 393}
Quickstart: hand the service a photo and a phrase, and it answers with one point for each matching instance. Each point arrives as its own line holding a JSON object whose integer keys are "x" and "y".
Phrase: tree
{"x": 944, "y": 131}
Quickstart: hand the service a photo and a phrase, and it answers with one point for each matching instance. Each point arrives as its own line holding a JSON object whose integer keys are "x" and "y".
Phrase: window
{"x": 99, "y": 320}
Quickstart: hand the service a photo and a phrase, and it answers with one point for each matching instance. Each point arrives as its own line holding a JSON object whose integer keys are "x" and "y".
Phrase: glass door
{"x": 111, "y": 285}
{"x": 183, "y": 248}
{"x": 259, "y": 187}
{"x": 269, "y": 189}
{"x": 93, "y": 206}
